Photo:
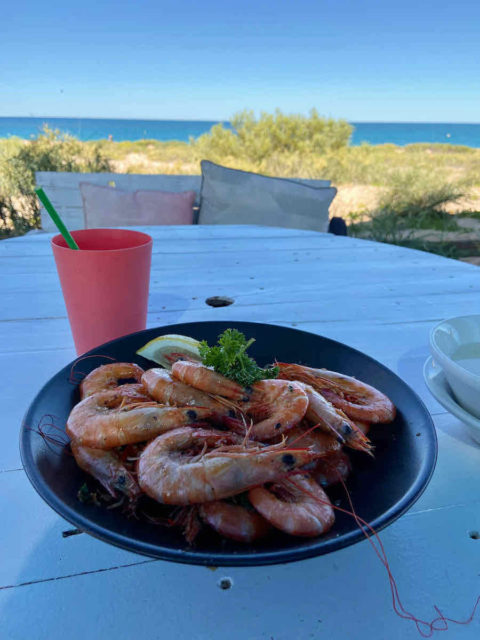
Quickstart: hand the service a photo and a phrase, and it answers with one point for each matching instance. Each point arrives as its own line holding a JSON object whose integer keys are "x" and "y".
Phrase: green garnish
{"x": 84, "y": 494}
{"x": 229, "y": 359}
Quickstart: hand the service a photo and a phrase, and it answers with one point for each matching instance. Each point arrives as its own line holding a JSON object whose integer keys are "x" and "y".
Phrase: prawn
{"x": 300, "y": 508}
{"x": 358, "y": 400}
{"x": 363, "y": 426}
{"x": 134, "y": 392}
{"x": 108, "y": 376}
{"x": 163, "y": 388}
{"x": 105, "y": 420}
{"x": 201, "y": 377}
{"x": 172, "y": 478}
{"x": 108, "y": 469}
{"x": 330, "y": 469}
{"x": 280, "y": 404}
{"x": 319, "y": 441}
{"x": 234, "y": 521}
{"x": 321, "y": 412}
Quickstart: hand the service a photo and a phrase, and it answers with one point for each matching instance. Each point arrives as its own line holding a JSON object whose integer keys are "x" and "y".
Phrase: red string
{"x": 425, "y": 629}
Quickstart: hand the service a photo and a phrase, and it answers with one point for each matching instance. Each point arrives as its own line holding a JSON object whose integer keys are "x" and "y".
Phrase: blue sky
{"x": 363, "y": 60}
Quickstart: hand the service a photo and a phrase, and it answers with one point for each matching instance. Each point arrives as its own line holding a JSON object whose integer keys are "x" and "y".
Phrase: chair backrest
{"x": 63, "y": 190}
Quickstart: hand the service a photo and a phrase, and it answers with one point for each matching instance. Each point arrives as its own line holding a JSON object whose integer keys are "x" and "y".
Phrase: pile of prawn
{"x": 245, "y": 461}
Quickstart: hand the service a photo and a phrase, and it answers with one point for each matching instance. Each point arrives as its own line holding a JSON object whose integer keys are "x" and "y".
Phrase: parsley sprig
{"x": 229, "y": 358}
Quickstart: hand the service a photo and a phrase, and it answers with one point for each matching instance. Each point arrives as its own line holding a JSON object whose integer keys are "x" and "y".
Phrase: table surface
{"x": 377, "y": 298}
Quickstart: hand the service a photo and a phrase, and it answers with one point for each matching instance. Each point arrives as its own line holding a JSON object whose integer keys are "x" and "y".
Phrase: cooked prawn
{"x": 234, "y": 521}
{"x": 201, "y": 377}
{"x": 332, "y": 420}
{"x": 164, "y": 389}
{"x": 299, "y": 507}
{"x": 105, "y": 420}
{"x": 319, "y": 441}
{"x": 108, "y": 376}
{"x": 170, "y": 478}
{"x": 108, "y": 469}
{"x": 276, "y": 406}
{"x": 363, "y": 426}
{"x": 330, "y": 469}
{"x": 358, "y": 400}
{"x": 134, "y": 392}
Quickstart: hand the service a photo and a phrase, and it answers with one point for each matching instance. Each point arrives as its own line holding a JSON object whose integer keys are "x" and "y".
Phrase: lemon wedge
{"x": 165, "y": 350}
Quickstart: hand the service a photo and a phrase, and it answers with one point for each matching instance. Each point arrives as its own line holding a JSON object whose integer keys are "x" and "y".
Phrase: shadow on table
{"x": 455, "y": 428}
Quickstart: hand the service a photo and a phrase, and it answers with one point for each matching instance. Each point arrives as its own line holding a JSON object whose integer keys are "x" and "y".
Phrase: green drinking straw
{"x": 56, "y": 219}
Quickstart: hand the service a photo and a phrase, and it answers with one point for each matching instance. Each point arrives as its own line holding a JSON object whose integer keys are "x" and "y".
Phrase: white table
{"x": 378, "y": 298}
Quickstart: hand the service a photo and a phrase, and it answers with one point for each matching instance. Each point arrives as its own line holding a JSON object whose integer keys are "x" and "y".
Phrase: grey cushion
{"x": 229, "y": 196}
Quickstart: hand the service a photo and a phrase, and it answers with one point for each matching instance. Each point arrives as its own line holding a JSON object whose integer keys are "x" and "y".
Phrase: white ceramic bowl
{"x": 438, "y": 385}
{"x": 453, "y": 339}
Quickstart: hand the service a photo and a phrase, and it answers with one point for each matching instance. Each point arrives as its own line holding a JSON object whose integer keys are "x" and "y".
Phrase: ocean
{"x": 400, "y": 133}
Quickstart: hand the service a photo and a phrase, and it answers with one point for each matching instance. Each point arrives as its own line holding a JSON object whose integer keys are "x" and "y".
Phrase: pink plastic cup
{"x": 105, "y": 284}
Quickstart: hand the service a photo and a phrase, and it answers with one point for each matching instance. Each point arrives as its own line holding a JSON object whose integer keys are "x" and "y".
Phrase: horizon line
{"x": 226, "y": 120}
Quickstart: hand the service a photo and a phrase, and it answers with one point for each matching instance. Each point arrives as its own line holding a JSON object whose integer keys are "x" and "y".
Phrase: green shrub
{"x": 315, "y": 147}
{"x": 414, "y": 202}
{"x": 19, "y": 160}
{"x": 420, "y": 198}
{"x": 258, "y": 140}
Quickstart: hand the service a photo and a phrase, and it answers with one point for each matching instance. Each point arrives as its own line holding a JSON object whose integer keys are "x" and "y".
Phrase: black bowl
{"x": 381, "y": 488}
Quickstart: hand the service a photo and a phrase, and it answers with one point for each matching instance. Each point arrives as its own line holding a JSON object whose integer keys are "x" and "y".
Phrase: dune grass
{"x": 377, "y": 165}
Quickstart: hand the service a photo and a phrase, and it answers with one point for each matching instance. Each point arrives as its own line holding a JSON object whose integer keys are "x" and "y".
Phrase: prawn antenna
{"x": 54, "y": 437}
{"x": 75, "y": 377}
